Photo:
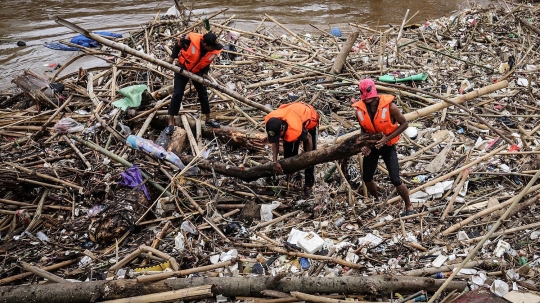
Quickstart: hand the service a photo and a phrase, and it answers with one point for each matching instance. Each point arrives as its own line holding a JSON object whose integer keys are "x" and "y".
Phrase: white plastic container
{"x": 502, "y": 246}
{"x": 311, "y": 243}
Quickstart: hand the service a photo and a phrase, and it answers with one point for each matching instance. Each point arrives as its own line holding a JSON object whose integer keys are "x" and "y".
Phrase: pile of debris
{"x": 92, "y": 189}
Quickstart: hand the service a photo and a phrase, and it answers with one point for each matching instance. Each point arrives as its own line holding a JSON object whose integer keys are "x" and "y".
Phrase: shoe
{"x": 169, "y": 130}
{"x": 308, "y": 191}
{"x": 212, "y": 124}
{"x": 407, "y": 213}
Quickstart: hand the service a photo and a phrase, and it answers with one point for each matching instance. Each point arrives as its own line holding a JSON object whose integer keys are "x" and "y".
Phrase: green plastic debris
{"x": 206, "y": 24}
{"x": 393, "y": 79}
{"x": 133, "y": 96}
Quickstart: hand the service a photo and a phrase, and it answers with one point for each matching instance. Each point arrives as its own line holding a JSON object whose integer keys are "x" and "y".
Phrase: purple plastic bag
{"x": 132, "y": 178}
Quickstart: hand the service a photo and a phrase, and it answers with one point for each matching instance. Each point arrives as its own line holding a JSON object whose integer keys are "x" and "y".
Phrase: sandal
{"x": 212, "y": 124}
{"x": 169, "y": 130}
{"x": 407, "y": 213}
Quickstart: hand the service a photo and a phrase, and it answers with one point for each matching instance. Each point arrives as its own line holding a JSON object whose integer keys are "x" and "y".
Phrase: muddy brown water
{"x": 31, "y": 21}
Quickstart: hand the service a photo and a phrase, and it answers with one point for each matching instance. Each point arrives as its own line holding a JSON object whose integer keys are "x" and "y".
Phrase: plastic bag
{"x": 266, "y": 210}
{"x": 67, "y": 126}
{"x": 132, "y": 177}
{"x": 133, "y": 96}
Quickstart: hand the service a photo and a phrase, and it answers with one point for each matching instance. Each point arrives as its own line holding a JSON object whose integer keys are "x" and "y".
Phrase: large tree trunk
{"x": 238, "y": 286}
{"x": 341, "y": 150}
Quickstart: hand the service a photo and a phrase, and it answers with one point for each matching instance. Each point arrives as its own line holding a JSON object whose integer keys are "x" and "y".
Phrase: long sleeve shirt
{"x": 176, "y": 51}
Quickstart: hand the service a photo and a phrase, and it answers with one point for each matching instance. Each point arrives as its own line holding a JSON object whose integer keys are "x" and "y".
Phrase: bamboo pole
{"x": 185, "y": 294}
{"x": 124, "y": 48}
{"x": 441, "y": 105}
{"x": 486, "y": 211}
{"x": 456, "y": 193}
{"x": 289, "y": 31}
{"x": 486, "y": 237}
{"x": 118, "y": 159}
{"x": 78, "y": 152}
{"x": 484, "y": 122}
{"x": 446, "y": 268}
{"x": 316, "y": 257}
{"x": 274, "y": 221}
{"x": 320, "y": 299}
{"x": 43, "y": 273}
{"x": 508, "y": 231}
{"x": 166, "y": 275}
{"x": 44, "y": 176}
{"x": 28, "y": 274}
{"x": 450, "y": 174}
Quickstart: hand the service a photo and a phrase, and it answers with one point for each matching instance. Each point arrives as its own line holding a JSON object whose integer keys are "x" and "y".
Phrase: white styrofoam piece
{"x": 310, "y": 243}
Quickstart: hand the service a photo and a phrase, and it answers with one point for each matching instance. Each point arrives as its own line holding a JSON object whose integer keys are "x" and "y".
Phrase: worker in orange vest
{"x": 294, "y": 123}
{"x": 195, "y": 53}
{"x": 378, "y": 114}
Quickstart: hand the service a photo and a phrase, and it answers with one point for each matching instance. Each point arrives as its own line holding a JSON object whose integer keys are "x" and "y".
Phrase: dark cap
{"x": 273, "y": 129}
{"x": 211, "y": 40}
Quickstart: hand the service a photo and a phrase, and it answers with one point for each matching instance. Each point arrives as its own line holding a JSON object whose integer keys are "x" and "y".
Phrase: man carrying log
{"x": 378, "y": 114}
{"x": 294, "y": 122}
{"x": 195, "y": 53}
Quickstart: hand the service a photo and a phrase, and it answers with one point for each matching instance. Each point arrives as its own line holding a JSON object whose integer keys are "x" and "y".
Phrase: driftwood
{"x": 252, "y": 286}
{"x": 344, "y": 149}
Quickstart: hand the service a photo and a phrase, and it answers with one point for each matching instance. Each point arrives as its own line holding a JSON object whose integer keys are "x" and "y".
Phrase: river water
{"x": 31, "y": 20}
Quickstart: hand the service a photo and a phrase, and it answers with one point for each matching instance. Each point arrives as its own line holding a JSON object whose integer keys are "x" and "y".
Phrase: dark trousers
{"x": 389, "y": 155}
{"x": 180, "y": 83}
{"x": 290, "y": 149}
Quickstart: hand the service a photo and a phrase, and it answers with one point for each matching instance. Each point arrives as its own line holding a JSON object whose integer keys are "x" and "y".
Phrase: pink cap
{"x": 367, "y": 89}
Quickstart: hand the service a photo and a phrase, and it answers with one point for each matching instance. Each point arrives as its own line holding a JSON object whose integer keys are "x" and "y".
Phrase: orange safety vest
{"x": 298, "y": 116}
{"x": 191, "y": 58}
{"x": 382, "y": 121}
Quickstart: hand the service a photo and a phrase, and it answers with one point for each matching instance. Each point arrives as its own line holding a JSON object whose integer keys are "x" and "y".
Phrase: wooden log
{"x": 344, "y": 149}
{"x": 177, "y": 141}
{"x": 230, "y": 286}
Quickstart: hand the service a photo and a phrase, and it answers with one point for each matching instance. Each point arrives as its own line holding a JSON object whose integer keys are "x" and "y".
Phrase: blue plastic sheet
{"x": 60, "y": 46}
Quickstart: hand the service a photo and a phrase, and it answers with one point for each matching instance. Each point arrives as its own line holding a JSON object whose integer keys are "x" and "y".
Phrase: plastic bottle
{"x": 441, "y": 275}
{"x": 339, "y": 222}
{"x": 153, "y": 149}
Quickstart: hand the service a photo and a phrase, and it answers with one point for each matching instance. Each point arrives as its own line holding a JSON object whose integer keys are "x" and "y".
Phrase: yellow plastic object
{"x": 159, "y": 267}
